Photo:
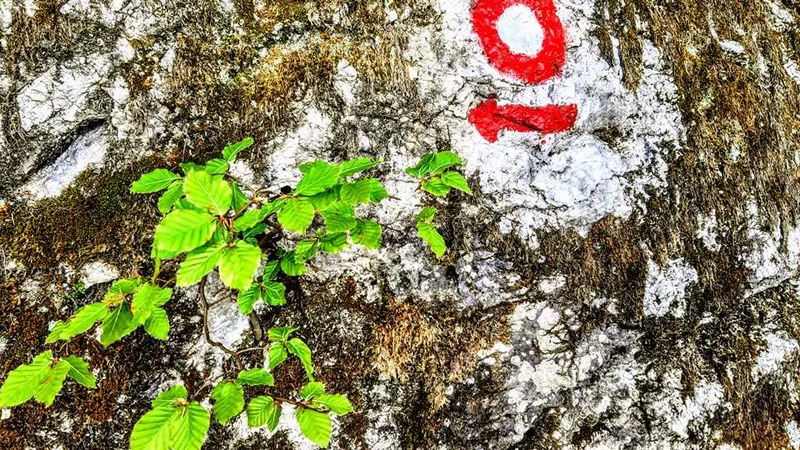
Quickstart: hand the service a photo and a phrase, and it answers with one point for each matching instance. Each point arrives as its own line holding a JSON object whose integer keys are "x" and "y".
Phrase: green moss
{"x": 95, "y": 218}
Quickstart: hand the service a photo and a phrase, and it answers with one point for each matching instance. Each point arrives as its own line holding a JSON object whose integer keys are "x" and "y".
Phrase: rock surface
{"x": 628, "y": 284}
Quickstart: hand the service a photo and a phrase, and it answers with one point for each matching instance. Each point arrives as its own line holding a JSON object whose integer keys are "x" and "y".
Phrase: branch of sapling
{"x": 207, "y": 331}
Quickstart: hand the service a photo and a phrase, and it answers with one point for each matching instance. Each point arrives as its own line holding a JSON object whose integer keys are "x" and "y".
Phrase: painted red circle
{"x": 532, "y": 69}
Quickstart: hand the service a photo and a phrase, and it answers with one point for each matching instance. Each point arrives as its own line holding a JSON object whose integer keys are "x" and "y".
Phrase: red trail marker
{"x": 489, "y": 118}
{"x": 531, "y": 69}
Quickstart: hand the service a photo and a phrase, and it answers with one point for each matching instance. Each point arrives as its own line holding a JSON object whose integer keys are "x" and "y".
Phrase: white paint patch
{"x": 552, "y": 284}
{"x": 226, "y": 325}
{"x": 6, "y": 16}
{"x": 382, "y": 432}
{"x": 87, "y": 151}
{"x": 781, "y": 18}
{"x": 707, "y": 232}
{"x": 310, "y": 139}
{"x": 779, "y": 347}
{"x": 773, "y": 257}
{"x": 582, "y": 180}
{"x": 345, "y": 81}
{"x": 570, "y": 179}
{"x": 708, "y": 396}
{"x": 519, "y": 28}
{"x": 794, "y": 434}
{"x": 58, "y": 97}
{"x": 665, "y": 289}
{"x": 98, "y": 272}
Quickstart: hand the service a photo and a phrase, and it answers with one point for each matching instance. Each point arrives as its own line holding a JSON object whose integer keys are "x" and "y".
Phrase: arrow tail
{"x": 489, "y": 119}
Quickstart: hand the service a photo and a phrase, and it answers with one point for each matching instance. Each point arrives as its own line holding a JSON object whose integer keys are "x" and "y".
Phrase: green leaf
{"x": 376, "y": 191}
{"x": 299, "y": 348}
{"x": 207, "y": 192}
{"x": 256, "y": 377}
{"x": 280, "y": 334}
{"x": 248, "y": 298}
{"x": 117, "y": 291}
{"x": 352, "y": 167}
{"x": 367, "y": 233}
{"x": 251, "y": 233}
{"x": 336, "y": 403}
{"x": 221, "y": 236}
{"x": 434, "y": 164}
{"x": 118, "y": 324}
{"x": 316, "y": 426}
{"x": 318, "y": 177}
{"x": 198, "y": 263}
{"x": 154, "y": 181}
{"x": 442, "y": 161}
{"x": 189, "y": 166}
{"x": 217, "y": 166}
{"x": 238, "y": 265}
{"x": 21, "y": 383}
{"x": 182, "y": 230}
{"x": 228, "y": 401}
{"x": 263, "y": 410}
{"x": 186, "y": 205}
{"x": 190, "y": 428}
{"x": 79, "y": 371}
{"x": 421, "y": 169}
{"x": 153, "y": 431}
{"x": 290, "y": 266}
{"x": 239, "y": 200}
{"x": 169, "y": 396}
{"x": 312, "y": 390}
{"x": 339, "y": 217}
{"x": 274, "y": 293}
{"x": 435, "y": 240}
{"x": 170, "y": 197}
{"x": 305, "y": 250}
{"x": 146, "y": 297}
{"x": 325, "y": 199}
{"x": 81, "y": 321}
{"x": 333, "y": 242}
{"x": 271, "y": 270}
{"x": 49, "y": 386}
{"x": 296, "y": 214}
{"x": 277, "y": 355}
{"x": 250, "y": 218}
{"x": 230, "y": 151}
{"x": 357, "y": 192}
{"x": 457, "y": 181}
{"x": 426, "y": 214}
{"x": 158, "y": 324}
{"x": 436, "y": 187}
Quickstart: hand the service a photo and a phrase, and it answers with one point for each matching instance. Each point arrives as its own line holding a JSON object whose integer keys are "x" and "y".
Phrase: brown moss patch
{"x": 229, "y": 83}
{"x": 437, "y": 345}
{"x": 46, "y": 28}
{"x": 97, "y": 217}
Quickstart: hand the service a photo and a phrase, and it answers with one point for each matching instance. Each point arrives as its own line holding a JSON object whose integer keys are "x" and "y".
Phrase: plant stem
{"x": 302, "y": 404}
{"x": 207, "y": 332}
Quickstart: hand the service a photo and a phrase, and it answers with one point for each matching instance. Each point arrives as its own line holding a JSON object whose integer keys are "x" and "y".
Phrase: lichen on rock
{"x": 630, "y": 283}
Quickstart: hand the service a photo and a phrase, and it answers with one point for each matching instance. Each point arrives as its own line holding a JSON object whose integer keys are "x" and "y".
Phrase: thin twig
{"x": 251, "y": 349}
{"x": 207, "y": 332}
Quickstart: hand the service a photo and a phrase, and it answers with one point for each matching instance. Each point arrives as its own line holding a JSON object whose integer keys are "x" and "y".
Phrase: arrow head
{"x": 484, "y": 119}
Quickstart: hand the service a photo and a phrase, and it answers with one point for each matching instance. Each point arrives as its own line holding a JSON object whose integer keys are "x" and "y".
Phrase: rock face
{"x": 629, "y": 283}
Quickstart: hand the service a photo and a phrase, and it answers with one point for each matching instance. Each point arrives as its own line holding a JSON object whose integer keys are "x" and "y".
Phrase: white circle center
{"x": 520, "y": 30}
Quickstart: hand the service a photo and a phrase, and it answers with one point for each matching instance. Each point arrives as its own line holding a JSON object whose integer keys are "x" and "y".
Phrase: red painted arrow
{"x": 490, "y": 119}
